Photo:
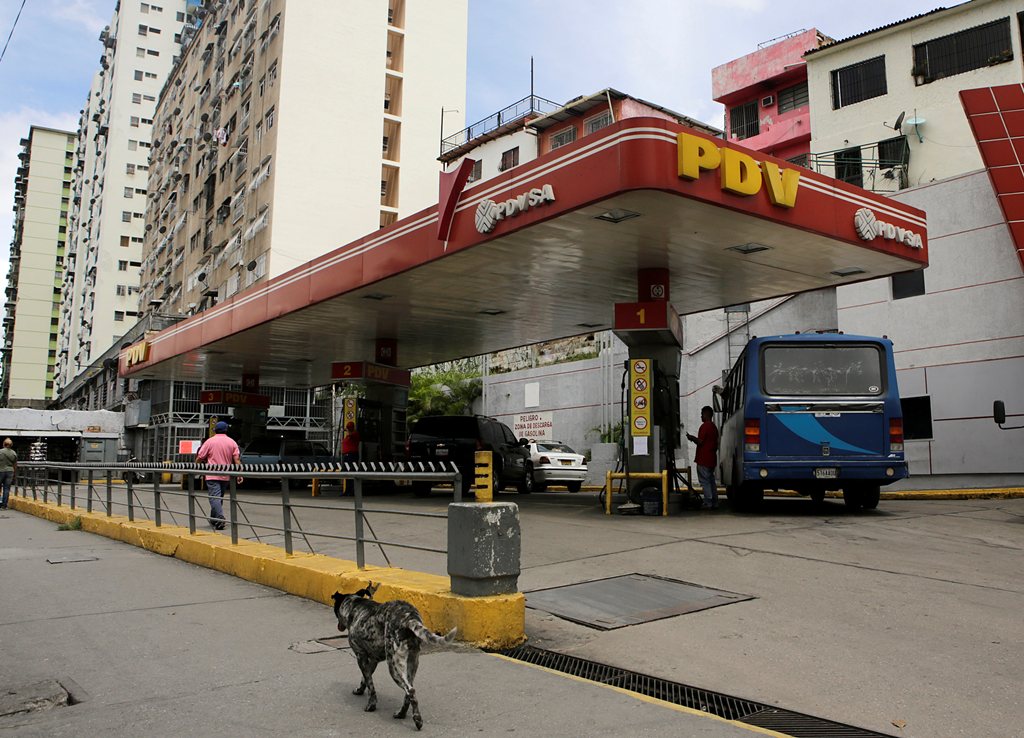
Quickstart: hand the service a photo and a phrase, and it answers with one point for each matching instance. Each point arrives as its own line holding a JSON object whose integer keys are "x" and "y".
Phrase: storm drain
{"x": 70, "y": 559}
{"x": 617, "y": 602}
{"x": 725, "y": 706}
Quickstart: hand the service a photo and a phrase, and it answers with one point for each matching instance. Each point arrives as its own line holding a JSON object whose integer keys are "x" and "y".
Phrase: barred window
{"x": 857, "y": 82}
{"x": 973, "y": 48}
{"x": 793, "y": 97}
{"x": 563, "y": 137}
{"x": 743, "y": 120}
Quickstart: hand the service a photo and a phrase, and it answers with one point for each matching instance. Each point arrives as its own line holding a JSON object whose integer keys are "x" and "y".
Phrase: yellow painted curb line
{"x": 497, "y": 621}
{"x": 647, "y": 698}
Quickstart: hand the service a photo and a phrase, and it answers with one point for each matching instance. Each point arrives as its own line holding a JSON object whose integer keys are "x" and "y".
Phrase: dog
{"x": 391, "y": 631}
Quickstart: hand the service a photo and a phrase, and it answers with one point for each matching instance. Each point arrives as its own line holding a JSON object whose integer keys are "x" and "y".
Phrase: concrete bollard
{"x": 484, "y": 543}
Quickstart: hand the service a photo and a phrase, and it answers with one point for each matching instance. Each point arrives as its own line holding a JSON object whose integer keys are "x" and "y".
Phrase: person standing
{"x": 349, "y": 450}
{"x": 707, "y": 456}
{"x": 8, "y": 468}
{"x": 220, "y": 448}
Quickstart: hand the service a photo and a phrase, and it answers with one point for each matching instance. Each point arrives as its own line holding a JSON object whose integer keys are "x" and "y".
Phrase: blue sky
{"x": 658, "y": 50}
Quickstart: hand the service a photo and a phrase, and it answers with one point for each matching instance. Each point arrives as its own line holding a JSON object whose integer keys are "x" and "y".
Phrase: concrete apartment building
{"x": 100, "y": 291}
{"x": 290, "y": 128}
{"x": 42, "y": 194}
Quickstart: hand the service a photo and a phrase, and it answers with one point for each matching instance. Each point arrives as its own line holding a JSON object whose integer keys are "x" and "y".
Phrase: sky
{"x": 658, "y": 50}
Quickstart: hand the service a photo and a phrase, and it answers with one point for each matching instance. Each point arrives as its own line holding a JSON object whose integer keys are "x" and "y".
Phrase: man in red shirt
{"x": 707, "y": 456}
{"x": 218, "y": 449}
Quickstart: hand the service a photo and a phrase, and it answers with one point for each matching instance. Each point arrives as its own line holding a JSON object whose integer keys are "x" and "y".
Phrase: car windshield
{"x": 446, "y": 426}
{"x": 264, "y": 446}
{"x": 554, "y": 447}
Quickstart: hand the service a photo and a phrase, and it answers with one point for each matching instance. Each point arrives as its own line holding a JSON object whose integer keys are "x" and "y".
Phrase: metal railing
{"x": 529, "y": 105}
{"x": 46, "y": 481}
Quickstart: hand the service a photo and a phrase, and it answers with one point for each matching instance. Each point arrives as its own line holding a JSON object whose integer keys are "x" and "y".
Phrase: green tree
{"x": 444, "y": 389}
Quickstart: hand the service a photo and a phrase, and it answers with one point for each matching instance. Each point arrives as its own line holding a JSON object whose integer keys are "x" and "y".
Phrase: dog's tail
{"x": 420, "y": 631}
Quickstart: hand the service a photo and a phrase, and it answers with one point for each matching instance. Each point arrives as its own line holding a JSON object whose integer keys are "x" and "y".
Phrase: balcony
{"x": 495, "y": 125}
{"x": 882, "y": 167}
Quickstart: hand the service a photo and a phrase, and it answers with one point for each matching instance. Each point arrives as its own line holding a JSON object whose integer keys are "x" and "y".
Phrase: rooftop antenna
{"x": 531, "y": 80}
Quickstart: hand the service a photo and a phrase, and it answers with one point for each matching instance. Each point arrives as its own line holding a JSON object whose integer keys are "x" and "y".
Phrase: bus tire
{"x": 870, "y": 495}
{"x": 852, "y": 498}
{"x": 421, "y": 489}
{"x": 818, "y": 496}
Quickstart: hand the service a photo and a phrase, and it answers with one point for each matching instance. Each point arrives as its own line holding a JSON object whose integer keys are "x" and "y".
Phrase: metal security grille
{"x": 857, "y": 82}
{"x": 725, "y": 706}
{"x": 960, "y": 52}
{"x": 793, "y": 97}
{"x": 743, "y": 121}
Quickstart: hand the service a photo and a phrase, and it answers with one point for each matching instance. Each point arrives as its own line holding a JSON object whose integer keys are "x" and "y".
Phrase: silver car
{"x": 556, "y": 463}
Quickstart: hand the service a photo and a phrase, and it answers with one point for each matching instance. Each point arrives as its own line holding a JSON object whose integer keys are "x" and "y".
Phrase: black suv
{"x": 457, "y": 437}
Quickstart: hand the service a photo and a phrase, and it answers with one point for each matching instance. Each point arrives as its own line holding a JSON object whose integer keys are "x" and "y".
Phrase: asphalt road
{"x": 908, "y": 620}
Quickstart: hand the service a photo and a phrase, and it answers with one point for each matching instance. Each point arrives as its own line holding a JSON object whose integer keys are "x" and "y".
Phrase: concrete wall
{"x": 948, "y": 147}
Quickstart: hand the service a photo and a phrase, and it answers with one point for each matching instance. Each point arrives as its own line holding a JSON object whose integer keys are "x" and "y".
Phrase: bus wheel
{"x": 422, "y": 489}
{"x": 870, "y": 495}
{"x": 818, "y": 496}
{"x": 852, "y": 498}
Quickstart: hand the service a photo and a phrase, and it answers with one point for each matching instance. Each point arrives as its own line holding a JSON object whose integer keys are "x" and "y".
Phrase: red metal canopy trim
{"x": 633, "y": 155}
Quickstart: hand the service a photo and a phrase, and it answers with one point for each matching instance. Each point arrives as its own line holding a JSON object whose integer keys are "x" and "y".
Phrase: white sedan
{"x": 556, "y": 463}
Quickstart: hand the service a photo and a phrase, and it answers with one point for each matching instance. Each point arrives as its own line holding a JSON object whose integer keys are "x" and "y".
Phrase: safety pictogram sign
{"x": 640, "y": 397}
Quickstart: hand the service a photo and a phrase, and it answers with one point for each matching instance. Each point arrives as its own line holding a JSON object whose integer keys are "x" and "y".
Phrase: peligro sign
{"x": 488, "y": 212}
{"x": 741, "y": 174}
{"x": 869, "y": 227}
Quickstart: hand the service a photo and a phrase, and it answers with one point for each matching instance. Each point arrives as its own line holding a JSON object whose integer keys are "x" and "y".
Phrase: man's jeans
{"x": 5, "y": 479}
{"x": 706, "y": 476}
{"x": 216, "y": 489}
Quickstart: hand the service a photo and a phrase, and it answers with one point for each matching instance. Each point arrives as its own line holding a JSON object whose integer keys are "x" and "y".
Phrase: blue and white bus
{"x": 811, "y": 412}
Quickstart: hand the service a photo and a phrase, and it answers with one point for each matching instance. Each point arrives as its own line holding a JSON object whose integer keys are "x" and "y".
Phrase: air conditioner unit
{"x": 767, "y": 101}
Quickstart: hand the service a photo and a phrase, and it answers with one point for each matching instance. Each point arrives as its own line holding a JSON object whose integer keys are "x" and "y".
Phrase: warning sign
{"x": 639, "y": 397}
{"x": 535, "y": 426}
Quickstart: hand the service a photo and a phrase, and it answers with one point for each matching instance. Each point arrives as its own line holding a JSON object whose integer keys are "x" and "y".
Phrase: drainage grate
{"x": 725, "y": 706}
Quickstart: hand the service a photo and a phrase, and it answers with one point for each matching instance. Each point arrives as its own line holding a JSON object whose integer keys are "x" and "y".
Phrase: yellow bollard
{"x": 483, "y": 484}
{"x": 664, "y": 493}
{"x": 315, "y": 488}
{"x": 608, "y": 493}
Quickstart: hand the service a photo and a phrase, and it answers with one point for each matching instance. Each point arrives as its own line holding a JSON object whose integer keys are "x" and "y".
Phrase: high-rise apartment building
{"x": 290, "y": 128}
{"x": 42, "y": 193}
{"x": 111, "y": 183}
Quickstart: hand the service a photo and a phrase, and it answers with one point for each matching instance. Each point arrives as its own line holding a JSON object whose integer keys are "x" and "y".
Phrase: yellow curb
{"x": 494, "y": 622}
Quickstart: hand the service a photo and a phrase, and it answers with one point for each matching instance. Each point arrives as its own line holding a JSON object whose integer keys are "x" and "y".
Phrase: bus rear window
{"x": 822, "y": 370}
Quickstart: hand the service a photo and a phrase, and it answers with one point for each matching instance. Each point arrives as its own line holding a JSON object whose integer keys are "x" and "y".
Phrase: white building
{"x": 111, "y": 183}
{"x": 42, "y": 193}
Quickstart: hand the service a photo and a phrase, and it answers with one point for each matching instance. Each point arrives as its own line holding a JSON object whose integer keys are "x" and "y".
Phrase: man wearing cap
{"x": 220, "y": 448}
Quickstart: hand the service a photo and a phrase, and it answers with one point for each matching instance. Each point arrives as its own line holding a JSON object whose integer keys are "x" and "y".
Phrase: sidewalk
{"x": 149, "y": 645}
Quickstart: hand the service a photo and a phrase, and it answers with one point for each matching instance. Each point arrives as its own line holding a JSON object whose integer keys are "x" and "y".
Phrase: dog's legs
{"x": 402, "y": 665}
{"x": 367, "y": 666}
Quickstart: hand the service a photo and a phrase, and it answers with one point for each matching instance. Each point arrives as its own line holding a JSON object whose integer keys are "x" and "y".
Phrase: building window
{"x": 143, "y": 29}
{"x": 125, "y": 241}
{"x": 384, "y": 148}
{"x": 272, "y": 73}
{"x": 849, "y": 167}
{"x": 563, "y": 137}
{"x": 129, "y": 192}
{"x": 152, "y": 52}
{"x": 893, "y": 152}
{"x": 134, "y": 121}
{"x": 477, "y": 171}
{"x": 510, "y": 159}
{"x": 136, "y": 98}
{"x": 140, "y": 51}
{"x": 270, "y": 119}
{"x": 121, "y": 290}
{"x": 383, "y": 188}
{"x": 122, "y": 266}
{"x": 118, "y": 316}
{"x": 917, "y": 417}
{"x": 138, "y": 75}
{"x": 907, "y": 284}
{"x": 743, "y": 121}
{"x": 597, "y": 122}
{"x": 973, "y": 48}
{"x": 126, "y": 216}
{"x": 857, "y": 82}
{"x": 793, "y": 97}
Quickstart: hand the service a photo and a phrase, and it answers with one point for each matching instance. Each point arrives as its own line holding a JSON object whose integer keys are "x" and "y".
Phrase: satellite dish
{"x": 898, "y": 125}
{"x": 916, "y": 121}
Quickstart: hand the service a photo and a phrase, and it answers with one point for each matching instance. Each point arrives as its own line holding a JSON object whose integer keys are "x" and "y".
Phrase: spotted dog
{"x": 391, "y": 631}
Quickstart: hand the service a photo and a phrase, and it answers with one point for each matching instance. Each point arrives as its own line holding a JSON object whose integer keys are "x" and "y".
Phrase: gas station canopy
{"x": 544, "y": 251}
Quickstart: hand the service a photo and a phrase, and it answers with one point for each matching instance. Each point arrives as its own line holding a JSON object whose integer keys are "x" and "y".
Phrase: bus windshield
{"x": 809, "y": 370}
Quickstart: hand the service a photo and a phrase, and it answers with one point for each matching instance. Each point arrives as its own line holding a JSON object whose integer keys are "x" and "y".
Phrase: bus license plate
{"x": 441, "y": 452}
{"x": 826, "y": 473}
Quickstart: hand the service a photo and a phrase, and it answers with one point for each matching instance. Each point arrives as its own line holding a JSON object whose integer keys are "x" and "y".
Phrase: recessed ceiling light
{"x": 376, "y": 296}
{"x": 617, "y": 215}
{"x": 847, "y": 271}
{"x": 491, "y": 311}
{"x": 749, "y": 248}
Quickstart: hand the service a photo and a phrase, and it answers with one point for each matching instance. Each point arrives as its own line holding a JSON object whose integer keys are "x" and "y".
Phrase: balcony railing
{"x": 879, "y": 167}
{"x": 529, "y": 106}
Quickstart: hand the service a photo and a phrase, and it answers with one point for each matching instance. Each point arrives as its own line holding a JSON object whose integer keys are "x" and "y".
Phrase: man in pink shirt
{"x": 218, "y": 449}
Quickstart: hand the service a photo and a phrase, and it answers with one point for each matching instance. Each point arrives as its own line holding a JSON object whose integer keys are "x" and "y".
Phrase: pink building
{"x": 765, "y": 96}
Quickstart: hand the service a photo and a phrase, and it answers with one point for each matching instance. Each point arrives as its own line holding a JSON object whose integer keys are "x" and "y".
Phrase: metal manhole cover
{"x": 629, "y": 599}
{"x": 70, "y": 559}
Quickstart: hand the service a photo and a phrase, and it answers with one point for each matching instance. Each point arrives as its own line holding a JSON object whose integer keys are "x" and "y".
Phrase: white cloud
{"x": 14, "y": 126}
{"x": 85, "y": 13}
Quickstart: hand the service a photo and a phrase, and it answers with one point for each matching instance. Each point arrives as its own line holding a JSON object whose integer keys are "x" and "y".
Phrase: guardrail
{"x": 34, "y": 480}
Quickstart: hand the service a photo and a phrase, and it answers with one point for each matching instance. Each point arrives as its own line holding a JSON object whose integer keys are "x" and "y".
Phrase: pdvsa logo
{"x": 489, "y": 212}
{"x": 869, "y": 227}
